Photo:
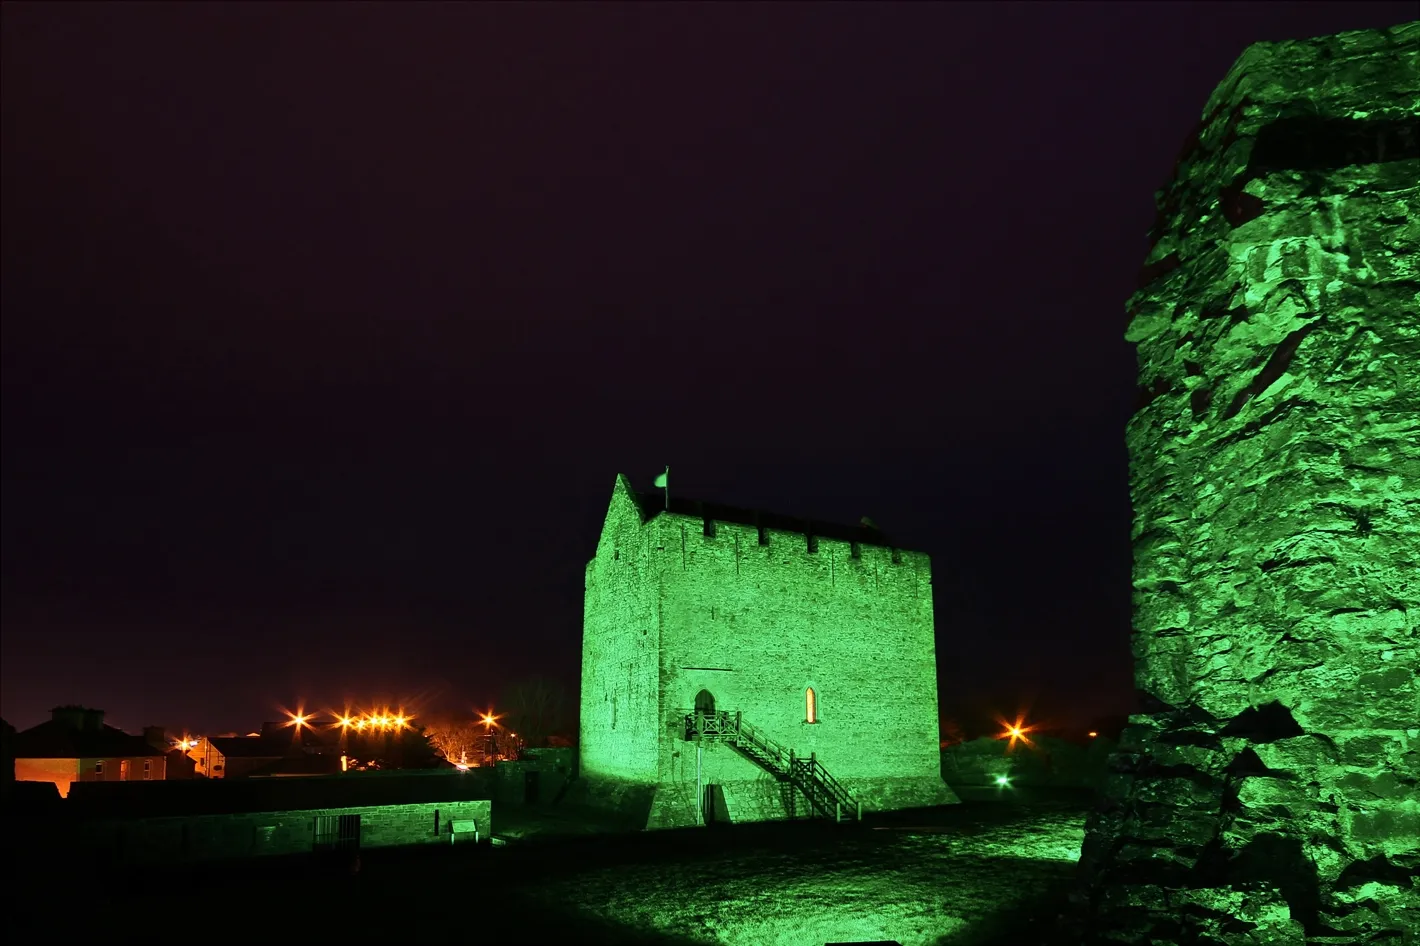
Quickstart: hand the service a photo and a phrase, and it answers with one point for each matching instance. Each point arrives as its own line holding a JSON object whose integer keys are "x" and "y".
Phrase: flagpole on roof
{"x": 664, "y": 482}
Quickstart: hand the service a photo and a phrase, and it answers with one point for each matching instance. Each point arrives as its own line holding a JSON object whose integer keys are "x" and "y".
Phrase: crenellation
{"x": 754, "y": 552}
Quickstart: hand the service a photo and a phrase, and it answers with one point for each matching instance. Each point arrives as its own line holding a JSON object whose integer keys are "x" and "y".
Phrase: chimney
{"x": 78, "y": 717}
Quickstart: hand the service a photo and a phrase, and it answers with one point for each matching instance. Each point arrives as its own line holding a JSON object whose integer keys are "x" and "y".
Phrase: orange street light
{"x": 1014, "y": 731}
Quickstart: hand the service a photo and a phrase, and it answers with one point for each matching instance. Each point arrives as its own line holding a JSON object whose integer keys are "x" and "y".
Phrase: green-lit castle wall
{"x": 621, "y": 639}
{"x": 1269, "y": 791}
{"x": 674, "y": 607}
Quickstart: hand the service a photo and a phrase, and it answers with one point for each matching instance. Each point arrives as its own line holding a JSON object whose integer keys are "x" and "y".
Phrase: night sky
{"x": 326, "y": 328}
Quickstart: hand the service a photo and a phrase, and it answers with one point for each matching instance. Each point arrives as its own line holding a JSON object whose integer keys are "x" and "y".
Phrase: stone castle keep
{"x": 770, "y": 636}
{"x": 1269, "y": 789}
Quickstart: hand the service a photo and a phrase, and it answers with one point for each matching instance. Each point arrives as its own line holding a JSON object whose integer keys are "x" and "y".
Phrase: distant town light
{"x": 1093, "y": 734}
{"x": 1015, "y": 731}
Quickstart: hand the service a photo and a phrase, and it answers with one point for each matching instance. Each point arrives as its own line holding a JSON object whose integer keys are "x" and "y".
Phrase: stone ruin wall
{"x": 1269, "y": 788}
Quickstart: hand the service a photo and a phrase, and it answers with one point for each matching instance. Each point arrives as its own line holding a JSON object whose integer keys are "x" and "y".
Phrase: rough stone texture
{"x": 1270, "y": 789}
{"x": 676, "y": 604}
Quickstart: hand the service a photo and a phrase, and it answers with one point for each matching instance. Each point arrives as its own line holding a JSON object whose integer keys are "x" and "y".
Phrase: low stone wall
{"x": 207, "y": 837}
{"x": 554, "y": 771}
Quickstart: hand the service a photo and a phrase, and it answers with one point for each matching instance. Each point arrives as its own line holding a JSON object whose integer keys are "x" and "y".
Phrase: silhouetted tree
{"x": 951, "y": 733}
{"x": 405, "y": 749}
{"x": 458, "y": 740}
{"x": 536, "y": 708}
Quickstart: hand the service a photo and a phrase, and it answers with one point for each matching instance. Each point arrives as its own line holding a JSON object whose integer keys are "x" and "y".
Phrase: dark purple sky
{"x": 326, "y": 327}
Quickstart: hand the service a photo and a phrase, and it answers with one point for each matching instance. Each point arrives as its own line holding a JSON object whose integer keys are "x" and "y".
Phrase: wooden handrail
{"x": 823, "y": 791}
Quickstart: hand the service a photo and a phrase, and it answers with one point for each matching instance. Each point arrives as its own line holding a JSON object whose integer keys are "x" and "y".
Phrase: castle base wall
{"x": 895, "y": 794}
{"x": 767, "y": 799}
{"x": 628, "y": 801}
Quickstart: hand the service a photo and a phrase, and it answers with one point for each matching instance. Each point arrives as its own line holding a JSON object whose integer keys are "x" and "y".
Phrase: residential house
{"x": 180, "y": 765}
{"x": 76, "y": 746}
{"x": 239, "y": 756}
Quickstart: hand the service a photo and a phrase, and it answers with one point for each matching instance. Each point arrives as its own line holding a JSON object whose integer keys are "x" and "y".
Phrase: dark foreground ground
{"x": 983, "y": 872}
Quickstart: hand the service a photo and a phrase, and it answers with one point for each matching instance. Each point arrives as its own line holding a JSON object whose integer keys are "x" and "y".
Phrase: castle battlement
{"x": 749, "y": 527}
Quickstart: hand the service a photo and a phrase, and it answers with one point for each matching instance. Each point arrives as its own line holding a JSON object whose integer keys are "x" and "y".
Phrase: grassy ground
{"x": 977, "y": 873}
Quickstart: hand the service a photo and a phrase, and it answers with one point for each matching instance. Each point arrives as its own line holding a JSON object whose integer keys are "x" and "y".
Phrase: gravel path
{"x": 965, "y": 881}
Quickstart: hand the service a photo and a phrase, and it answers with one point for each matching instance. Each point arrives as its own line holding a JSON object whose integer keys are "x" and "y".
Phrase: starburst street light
{"x": 1015, "y": 731}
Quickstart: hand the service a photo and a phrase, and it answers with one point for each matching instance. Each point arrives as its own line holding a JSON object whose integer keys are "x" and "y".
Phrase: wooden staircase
{"x": 827, "y": 798}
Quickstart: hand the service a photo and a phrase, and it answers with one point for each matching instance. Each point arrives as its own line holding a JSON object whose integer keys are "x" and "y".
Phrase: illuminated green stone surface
{"x": 967, "y": 882}
{"x": 678, "y": 605}
{"x": 1270, "y": 789}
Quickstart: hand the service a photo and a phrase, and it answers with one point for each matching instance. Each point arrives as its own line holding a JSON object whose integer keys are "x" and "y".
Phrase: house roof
{"x": 253, "y": 747}
{"x": 654, "y": 503}
{"x": 56, "y": 739}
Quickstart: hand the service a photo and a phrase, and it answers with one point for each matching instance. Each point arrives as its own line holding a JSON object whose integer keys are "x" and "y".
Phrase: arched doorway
{"x": 697, "y": 720}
